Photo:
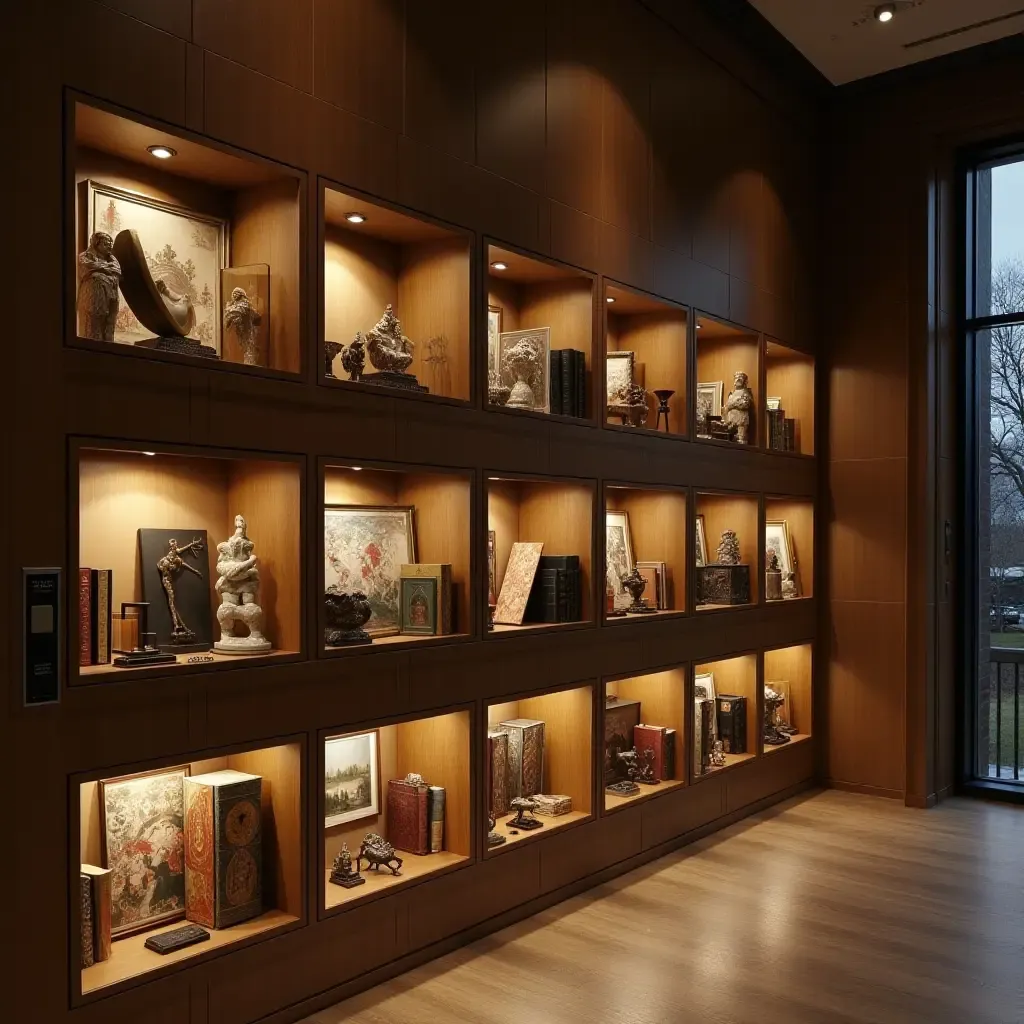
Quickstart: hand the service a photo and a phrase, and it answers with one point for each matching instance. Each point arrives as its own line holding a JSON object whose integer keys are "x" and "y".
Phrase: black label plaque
{"x": 42, "y": 596}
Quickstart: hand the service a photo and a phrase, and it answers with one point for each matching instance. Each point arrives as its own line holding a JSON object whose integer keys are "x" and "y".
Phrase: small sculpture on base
{"x": 635, "y": 585}
{"x": 170, "y": 568}
{"x": 494, "y": 838}
{"x": 342, "y": 873}
{"x": 630, "y": 405}
{"x": 241, "y": 316}
{"x": 524, "y": 819}
{"x": 391, "y": 354}
{"x": 378, "y": 852}
{"x": 736, "y": 415}
{"x": 772, "y": 577}
{"x": 239, "y": 589}
{"x": 99, "y": 277}
{"x": 353, "y": 358}
{"x": 144, "y": 652}
{"x": 773, "y": 736}
{"x": 728, "y": 549}
{"x": 346, "y": 614}
{"x": 716, "y": 759}
{"x": 331, "y": 350}
{"x": 663, "y": 395}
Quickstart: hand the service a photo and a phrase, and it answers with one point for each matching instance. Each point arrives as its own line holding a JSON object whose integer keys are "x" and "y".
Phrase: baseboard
{"x": 856, "y": 787}
{"x": 386, "y": 972}
{"x": 922, "y": 803}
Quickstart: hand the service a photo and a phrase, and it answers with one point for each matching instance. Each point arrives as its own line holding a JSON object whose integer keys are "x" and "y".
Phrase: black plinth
{"x": 346, "y": 637}
{"x": 347, "y": 881}
{"x": 623, "y": 788}
{"x": 527, "y": 825}
{"x": 641, "y": 608}
{"x": 180, "y": 346}
{"x": 723, "y": 584}
{"x": 391, "y": 379}
{"x": 139, "y": 659}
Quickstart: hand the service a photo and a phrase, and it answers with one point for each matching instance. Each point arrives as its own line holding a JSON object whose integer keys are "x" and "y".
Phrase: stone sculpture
{"x": 738, "y": 408}
{"x": 99, "y": 276}
{"x": 391, "y": 354}
{"x": 241, "y": 316}
{"x": 239, "y": 589}
{"x": 353, "y": 358}
{"x": 346, "y": 614}
{"x": 728, "y": 549}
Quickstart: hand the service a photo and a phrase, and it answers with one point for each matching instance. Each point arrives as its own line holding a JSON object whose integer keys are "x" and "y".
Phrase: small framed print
{"x": 534, "y": 372}
{"x": 351, "y": 778}
{"x": 619, "y": 370}
{"x": 493, "y": 339}
{"x": 702, "y": 544}
{"x": 419, "y": 606}
{"x": 777, "y": 539}
{"x": 656, "y": 573}
{"x": 774, "y": 404}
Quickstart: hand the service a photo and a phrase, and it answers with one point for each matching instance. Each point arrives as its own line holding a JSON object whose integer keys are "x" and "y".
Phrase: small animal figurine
{"x": 378, "y": 852}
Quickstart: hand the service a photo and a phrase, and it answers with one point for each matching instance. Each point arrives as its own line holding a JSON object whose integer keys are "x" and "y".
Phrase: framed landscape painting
{"x": 365, "y": 547}
{"x": 351, "y": 778}
{"x": 142, "y": 820}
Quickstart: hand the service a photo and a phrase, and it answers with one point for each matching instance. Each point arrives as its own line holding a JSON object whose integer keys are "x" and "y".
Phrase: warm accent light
{"x": 150, "y": 454}
{"x": 161, "y": 152}
{"x": 355, "y": 218}
{"x": 357, "y": 469}
{"x": 499, "y": 266}
{"x": 885, "y": 12}
{"x": 609, "y": 299}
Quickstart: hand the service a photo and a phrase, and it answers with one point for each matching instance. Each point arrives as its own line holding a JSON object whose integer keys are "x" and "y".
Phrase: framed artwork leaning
{"x": 493, "y": 339}
{"x": 419, "y": 606}
{"x": 618, "y": 555}
{"x": 619, "y": 370}
{"x": 142, "y": 843}
{"x": 709, "y": 403}
{"x": 525, "y": 368}
{"x": 365, "y": 547}
{"x": 778, "y": 539}
{"x": 701, "y": 543}
{"x": 351, "y": 777}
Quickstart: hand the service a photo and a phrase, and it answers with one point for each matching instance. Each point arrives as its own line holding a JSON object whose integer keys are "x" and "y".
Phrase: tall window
{"x": 994, "y": 332}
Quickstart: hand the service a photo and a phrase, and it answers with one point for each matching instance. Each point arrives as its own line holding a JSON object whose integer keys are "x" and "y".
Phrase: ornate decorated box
{"x": 723, "y": 584}
{"x": 223, "y": 848}
{"x": 525, "y": 756}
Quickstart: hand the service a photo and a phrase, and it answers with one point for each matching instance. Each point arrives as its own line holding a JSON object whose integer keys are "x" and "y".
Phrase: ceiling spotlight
{"x": 699, "y": 326}
{"x": 499, "y": 266}
{"x": 161, "y": 152}
{"x": 885, "y": 12}
{"x": 150, "y": 454}
{"x": 355, "y": 218}
{"x": 609, "y": 299}
{"x": 356, "y": 469}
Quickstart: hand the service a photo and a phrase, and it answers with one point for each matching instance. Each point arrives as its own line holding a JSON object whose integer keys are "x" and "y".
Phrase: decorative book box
{"x": 442, "y": 573}
{"x": 651, "y": 737}
{"x": 525, "y": 756}
{"x": 723, "y": 584}
{"x": 497, "y": 771}
{"x": 732, "y": 722}
{"x": 408, "y": 816}
{"x": 223, "y": 848}
{"x": 100, "y": 908}
{"x": 552, "y": 805}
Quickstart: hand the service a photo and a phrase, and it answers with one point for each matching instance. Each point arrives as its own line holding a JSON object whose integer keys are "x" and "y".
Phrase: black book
{"x": 732, "y": 722}
{"x": 555, "y": 380}
{"x": 568, "y": 382}
{"x": 555, "y": 595}
{"x": 581, "y": 383}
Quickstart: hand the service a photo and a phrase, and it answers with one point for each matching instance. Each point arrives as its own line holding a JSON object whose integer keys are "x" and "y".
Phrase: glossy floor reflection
{"x": 830, "y": 908}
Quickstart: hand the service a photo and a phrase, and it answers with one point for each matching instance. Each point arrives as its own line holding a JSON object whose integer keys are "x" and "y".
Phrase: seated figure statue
{"x": 239, "y": 589}
{"x": 390, "y": 351}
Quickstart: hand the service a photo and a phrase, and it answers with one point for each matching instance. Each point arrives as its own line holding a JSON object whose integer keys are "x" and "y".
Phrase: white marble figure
{"x": 738, "y": 406}
{"x": 241, "y": 316}
{"x": 239, "y": 589}
{"x": 99, "y": 276}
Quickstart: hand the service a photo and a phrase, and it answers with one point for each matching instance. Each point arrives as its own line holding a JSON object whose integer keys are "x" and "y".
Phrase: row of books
{"x": 556, "y": 594}
{"x": 415, "y": 816}
{"x": 567, "y": 382}
{"x": 723, "y": 718}
{"x": 781, "y": 431}
{"x": 95, "y": 596}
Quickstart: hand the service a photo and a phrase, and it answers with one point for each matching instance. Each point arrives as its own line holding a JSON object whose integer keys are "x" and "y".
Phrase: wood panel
{"x": 789, "y": 375}
{"x": 657, "y": 525}
{"x": 723, "y": 512}
{"x": 567, "y": 307}
{"x": 739, "y": 676}
{"x": 799, "y": 516}
{"x": 793, "y": 664}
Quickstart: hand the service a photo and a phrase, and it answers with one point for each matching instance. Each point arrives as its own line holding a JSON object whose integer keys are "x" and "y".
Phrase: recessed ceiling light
{"x": 355, "y": 218}
{"x": 609, "y": 299}
{"x": 499, "y": 266}
{"x": 151, "y": 454}
{"x": 699, "y": 326}
{"x": 885, "y": 12}
{"x": 161, "y": 152}
{"x": 357, "y": 469}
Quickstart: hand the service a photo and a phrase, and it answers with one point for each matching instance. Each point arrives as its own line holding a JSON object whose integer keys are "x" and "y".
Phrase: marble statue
{"x": 738, "y": 408}
{"x": 239, "y": 589}
{"x": 240, "y": 315}
{"x": 99, "y": 276}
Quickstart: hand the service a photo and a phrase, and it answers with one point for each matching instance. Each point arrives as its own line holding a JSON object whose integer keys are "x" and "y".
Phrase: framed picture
{"x": 656, "y": 573}
{"x": 493, "y": 338}
{"x": 419, "y": 606}
{"x": 702, "y": 544}
{"x": 365, "y": 547}
{"x": 773, "y": 404}
{"x": 539, "y": 377}
{"x": 142, "y": 842}
{"x": 618, "y": 558}
{"x": 619, "y": 369}
{"x": 351, "y": 777}
{"x": 184, "y": 249}
{"x": 704, "y": 689}
{"x": 777, "y": 539}
{"x": 709, "y": 403}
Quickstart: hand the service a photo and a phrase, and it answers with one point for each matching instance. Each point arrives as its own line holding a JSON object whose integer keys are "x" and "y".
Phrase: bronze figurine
{"x": 378, "y": 852}
{"x": 170, "y": 567}
{"x": 342, "y": 872}
{"x": 635, "y": 585}
{"x": 524, "y": 819}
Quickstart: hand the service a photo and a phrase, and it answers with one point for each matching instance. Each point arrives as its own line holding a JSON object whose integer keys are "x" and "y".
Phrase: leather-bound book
{"x": 555, "y": 380}
{"x": 435, "y": 813}
{"x": 85, "y": 616}
{"x": 85, "y": 919}
{"x": 525, "y": 756}
{"x": 408, "y": 816}
{"x": 100, "y": 886}
{"x": 568, "y": 383}
{"x": 223, "y": 848}
{"x": 670, "y": 754}
{"x": 581, "y": 384}
{"x": 497, "y": 771}
{"x": 704, "y": 715}
{"x": 732, "y": 722}
{"x": 442, "y": 572}
{"x": 101, "y": 585}
{"x": 651, "y": 737}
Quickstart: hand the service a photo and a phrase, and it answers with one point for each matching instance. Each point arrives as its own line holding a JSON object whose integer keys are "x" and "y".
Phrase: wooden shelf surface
{"x": 731, "y": 760}
{"x": 249, "y": 660}
{"x": 130, "y": 958}
{"x": 660, "y": 613}
{"x": 613, "y": 801}
{"x": 399, "y": 639}
{"x": 414, "y": 868}
{"x": 798, "y": 737}
{"x": 550, "y": 825}
{"x": 500, "y": 627}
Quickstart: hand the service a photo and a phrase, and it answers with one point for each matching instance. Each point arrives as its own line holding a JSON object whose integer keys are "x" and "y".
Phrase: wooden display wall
{"x": 739, "y": 676}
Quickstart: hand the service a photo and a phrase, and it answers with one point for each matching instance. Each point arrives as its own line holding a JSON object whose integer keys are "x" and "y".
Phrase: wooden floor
{"x": 829, "y": 908}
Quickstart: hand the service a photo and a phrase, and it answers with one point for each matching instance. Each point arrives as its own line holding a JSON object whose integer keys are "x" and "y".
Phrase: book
{"x": 525, "y": 756}
{"x": 442, "y": 572}
{"x": 568, "y": 383}
{"x": 552, "y": 805}
{"x": 581, "y": 383}
{"x": 497, "y": 769}
{"x": 435, "y": 814}
{"x": 408, "y": 816}
{"x": 85, "y": 616}
{"x": 177, "y": 938}
{"x": 704, "y": 713}
{"x": 555, "y": 595}
{"x": 101, "y": 586}
{"x": 670, "y": 754}
{"x": 555, "y": 380}
{"x": 731, "y": 713}
{"x": 85, "y": 919}
{"x": 517, "y": 583}
{"x": 620, "y": 718}
{"x": 789, "y": 435}
{"x": 651, "y": 737}
{"x": 100, "y": 891}
{"x": 223, "y": 848}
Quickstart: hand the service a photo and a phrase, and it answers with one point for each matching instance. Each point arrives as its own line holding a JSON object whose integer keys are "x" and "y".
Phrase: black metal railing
{"x": 1006, "y": 716}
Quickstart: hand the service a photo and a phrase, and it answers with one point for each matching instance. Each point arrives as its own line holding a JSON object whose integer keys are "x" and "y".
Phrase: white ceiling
{"x": 845, "y": 42}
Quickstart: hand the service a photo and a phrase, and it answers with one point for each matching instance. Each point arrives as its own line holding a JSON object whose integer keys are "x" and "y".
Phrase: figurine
{"x": 521, "y": 363}
{"x": 630, "y": 405}
{"x": 378, "y": 853}
{"x": 240, "y": 314}
{"x": 353, "y": 358}
{"x": 663, "y": 395}
{"x": 331, "y": 350}
{"x": 390, "y": 350}
{"x": 239, "y": 589}
{"x": 716, "y": 759}
{"x": 342, "y": 873}
{"x": 99, "y": 276}
{"x": 494, "y": 838}
{"x": 778, "y": 719}
{"x": 524, "y": 819}
{"x": 346, "y": 614}
{"x": 773, "y": 700}
{"x": 498, "y": 392}
{"x": 414, "y": 779}
{"x": 170, "y": 567}
{"x": 736, "y": 414}
{"x": 772, "y": 577}
{"x": 635, "y": 585}
{"x": 639, "y": 768}
{"x": 728, "y": 549}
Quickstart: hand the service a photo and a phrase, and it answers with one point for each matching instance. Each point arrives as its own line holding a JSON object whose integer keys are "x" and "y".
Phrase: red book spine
{"x": 84, "y": 616}
{"x": 651, "y": 737}
{"x": 408, "y": 824}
